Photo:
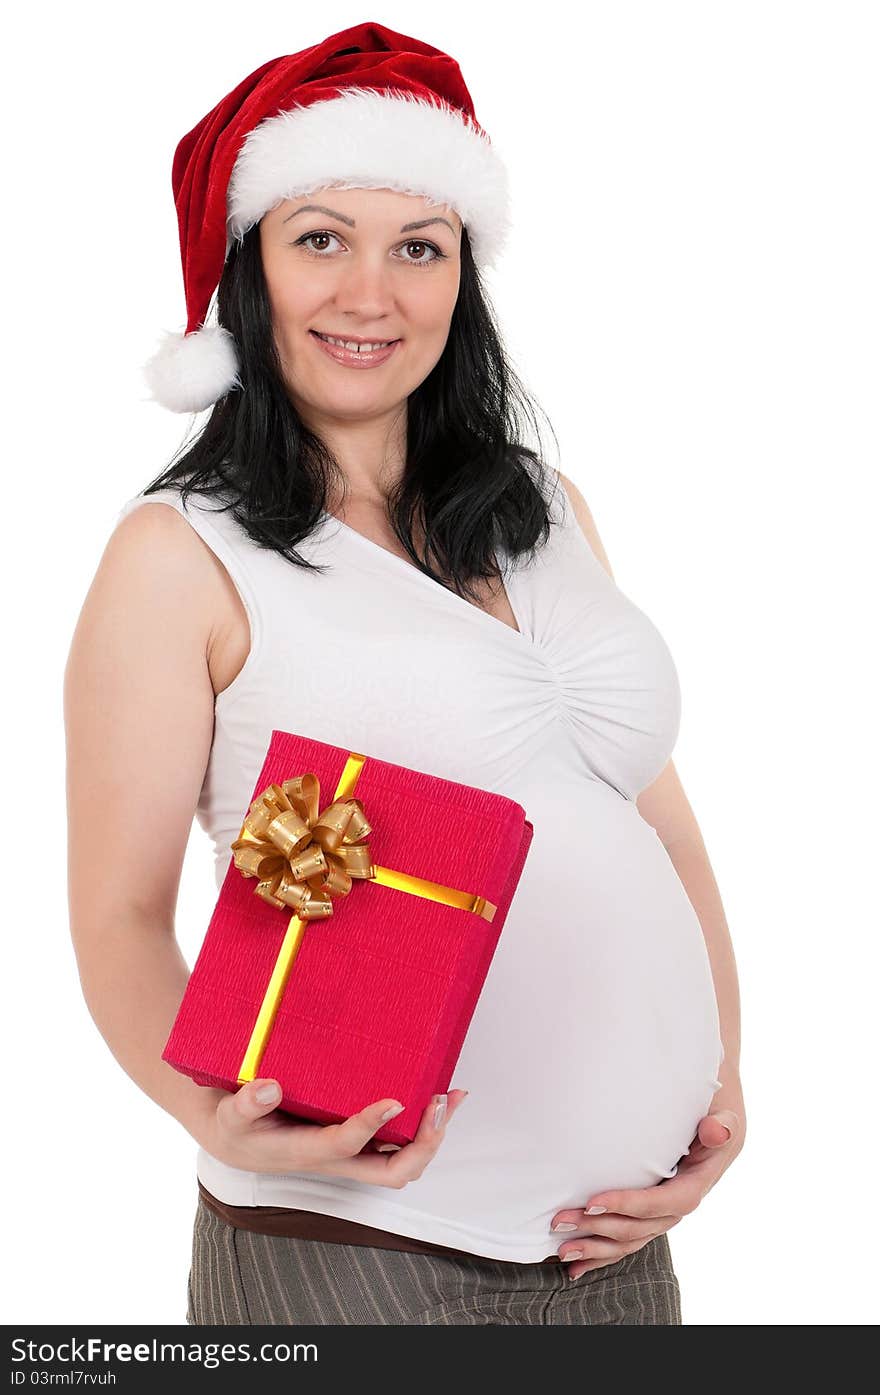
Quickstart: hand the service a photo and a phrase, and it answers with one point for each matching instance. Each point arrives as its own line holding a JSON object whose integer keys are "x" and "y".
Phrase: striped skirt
{"x": 241, "y": 1277}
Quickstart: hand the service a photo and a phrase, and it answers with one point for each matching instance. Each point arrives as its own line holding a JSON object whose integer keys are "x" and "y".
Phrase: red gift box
{"x": 384, "y": 980}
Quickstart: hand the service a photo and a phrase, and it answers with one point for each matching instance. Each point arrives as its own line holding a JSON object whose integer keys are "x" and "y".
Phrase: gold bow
{"x": 304, "y": 859}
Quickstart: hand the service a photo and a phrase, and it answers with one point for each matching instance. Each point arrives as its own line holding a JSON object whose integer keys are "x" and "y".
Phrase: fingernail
{"x": 565, "y": 1225}
{"x": 267, "y": 1093}
{"x": 440, "y": 1111}
{"x": 727, "y": 1131}
{"x": 595, "y": 1210}
{"x": 388, "y": 1148}
{"x": 390, "y": 1113}
{"x": 573, "y": 1254}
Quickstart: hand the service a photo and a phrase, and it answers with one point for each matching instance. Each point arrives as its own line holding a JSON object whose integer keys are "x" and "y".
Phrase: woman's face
{"x": 353, "y": 264}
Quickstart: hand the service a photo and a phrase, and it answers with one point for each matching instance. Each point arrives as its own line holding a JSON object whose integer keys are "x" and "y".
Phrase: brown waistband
{"x": 314, "y": 1225}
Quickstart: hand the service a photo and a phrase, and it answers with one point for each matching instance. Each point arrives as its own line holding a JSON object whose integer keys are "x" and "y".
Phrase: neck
{"x": 370, "y": 454}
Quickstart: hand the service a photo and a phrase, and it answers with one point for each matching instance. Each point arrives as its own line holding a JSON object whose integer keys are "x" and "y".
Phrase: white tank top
{"x": 594, "y": 1049}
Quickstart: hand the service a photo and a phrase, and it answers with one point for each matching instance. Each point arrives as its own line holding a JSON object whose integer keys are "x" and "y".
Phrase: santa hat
{"x": 366, "y": 109}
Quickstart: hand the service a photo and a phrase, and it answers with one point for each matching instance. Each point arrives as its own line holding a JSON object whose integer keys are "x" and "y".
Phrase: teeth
{"x": 350, "y": 344}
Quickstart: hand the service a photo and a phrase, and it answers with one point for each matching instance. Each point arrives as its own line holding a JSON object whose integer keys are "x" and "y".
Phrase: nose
{"x": 364, "y": 290}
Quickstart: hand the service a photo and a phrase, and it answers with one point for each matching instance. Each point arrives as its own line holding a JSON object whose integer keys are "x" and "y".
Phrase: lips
{"x": 386, "y": 343}
{"x": 354, "y": 358}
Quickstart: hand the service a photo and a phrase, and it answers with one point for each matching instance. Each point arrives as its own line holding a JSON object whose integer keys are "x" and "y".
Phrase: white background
{"x": 691, "y": 294}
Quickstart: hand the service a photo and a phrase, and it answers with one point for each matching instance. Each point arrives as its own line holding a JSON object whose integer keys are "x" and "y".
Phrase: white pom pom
{"x": 189, "y": 372}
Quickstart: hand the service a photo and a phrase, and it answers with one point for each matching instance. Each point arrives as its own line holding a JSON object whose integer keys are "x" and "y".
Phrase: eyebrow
{"x": 331, "y": 213}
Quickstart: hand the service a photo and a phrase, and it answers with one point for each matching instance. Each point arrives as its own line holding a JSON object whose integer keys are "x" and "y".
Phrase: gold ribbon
{"x": 305, "y": 859}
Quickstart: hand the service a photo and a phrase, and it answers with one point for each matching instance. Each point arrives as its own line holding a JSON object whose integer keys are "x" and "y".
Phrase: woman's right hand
{"x": 256, "y": 1137}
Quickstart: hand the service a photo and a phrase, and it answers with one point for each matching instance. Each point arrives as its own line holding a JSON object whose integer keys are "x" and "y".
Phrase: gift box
{"x": 352, "y": 935}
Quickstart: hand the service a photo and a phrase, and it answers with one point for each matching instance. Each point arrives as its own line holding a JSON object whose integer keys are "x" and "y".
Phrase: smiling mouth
{"x": 375, "y": 345}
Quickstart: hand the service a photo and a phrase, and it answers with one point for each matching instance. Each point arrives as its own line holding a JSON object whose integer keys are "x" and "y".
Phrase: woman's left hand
{"x": 632, "y": 1218}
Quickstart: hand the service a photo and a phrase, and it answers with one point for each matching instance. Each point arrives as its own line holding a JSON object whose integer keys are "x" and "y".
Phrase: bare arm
{"x": 139, "y": 722}
{"x": 139, "y": 713}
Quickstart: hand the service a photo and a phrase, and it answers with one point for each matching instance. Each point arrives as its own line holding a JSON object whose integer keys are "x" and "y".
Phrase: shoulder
{"x": 158, "y": 551}
{"x": 581, "y": 511}
{"x": 155, "y": 535}
{"x": 164, "y": 540}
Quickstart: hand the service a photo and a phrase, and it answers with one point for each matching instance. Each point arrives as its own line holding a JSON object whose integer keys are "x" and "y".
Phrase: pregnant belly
{"x": 594, "y": 1049}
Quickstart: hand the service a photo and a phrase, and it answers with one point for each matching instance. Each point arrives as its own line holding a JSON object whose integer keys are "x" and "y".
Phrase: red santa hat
{"x": 367, "y": 108}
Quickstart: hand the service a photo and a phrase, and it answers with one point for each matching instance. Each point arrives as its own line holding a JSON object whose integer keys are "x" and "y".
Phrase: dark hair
{"x": 468, "y": 480}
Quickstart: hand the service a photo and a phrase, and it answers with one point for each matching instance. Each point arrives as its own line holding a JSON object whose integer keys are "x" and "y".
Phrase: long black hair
{"x": 468, "y": 480}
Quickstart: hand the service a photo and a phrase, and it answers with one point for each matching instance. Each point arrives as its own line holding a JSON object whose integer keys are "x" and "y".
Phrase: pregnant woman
{"x": 365, "y": 553}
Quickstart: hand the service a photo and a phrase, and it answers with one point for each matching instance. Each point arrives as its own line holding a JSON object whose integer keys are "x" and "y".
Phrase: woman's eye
{"x": 424, "y": 261}
{"x": 308, "y": 237}
{"x": 413, "y": 242}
